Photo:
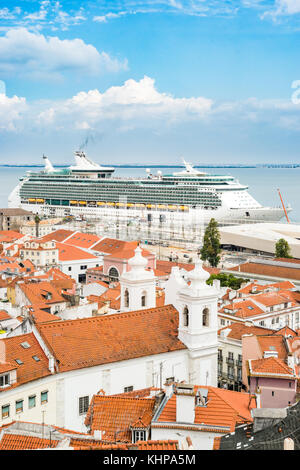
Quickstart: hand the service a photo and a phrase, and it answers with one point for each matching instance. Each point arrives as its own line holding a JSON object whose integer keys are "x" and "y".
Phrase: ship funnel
{"x": 48, "y": 164}
{"x": 83, "y": 162}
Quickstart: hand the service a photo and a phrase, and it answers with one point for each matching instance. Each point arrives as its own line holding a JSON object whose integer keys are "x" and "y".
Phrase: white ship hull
{"x": 192, "y": 217}
{"x": 218, "y": 197}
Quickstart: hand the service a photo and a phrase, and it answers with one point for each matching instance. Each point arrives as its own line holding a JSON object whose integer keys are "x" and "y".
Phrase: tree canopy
{"x": 282, "y": 249}
{"x": 211, "y": 244}
{"x": 227, "y": 280}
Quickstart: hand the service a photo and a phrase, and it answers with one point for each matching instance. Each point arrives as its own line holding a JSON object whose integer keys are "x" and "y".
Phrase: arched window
{"x": 143, "y": 298}
{"x": 185, "y": 316}
{"x": 205, "y": 317}
{"x": 113, "y": 274}
{"x": 126, "y": 298}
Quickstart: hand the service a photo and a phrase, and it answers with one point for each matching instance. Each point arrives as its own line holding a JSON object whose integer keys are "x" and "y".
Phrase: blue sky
{"x": 150, "y": 80}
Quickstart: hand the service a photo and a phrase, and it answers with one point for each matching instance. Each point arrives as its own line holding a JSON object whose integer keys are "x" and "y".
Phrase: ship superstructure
{"x": 89, "y": 189}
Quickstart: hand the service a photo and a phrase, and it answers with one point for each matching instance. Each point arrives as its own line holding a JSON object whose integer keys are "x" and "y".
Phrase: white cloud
{"x": 35, "y": 55}
{"x": 108, "y": 16}
{"x": 139, "y": 105}
{"x": 136, "y": 101}
{"x": 11, "y": 112}
{"x": 280, "y": 9}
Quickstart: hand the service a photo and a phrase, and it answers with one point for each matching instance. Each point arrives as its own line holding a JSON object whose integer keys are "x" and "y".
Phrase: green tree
{"x": 282, "y": 249}
{"x": 211, "y": 244}
{"x": 227, "y": 280}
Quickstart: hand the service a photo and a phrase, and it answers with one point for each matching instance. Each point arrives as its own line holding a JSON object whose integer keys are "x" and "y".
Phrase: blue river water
{"x": 262, "y": 182}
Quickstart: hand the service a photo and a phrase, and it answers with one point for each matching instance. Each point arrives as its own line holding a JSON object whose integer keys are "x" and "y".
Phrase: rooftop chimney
{"x": 185, "y": 403}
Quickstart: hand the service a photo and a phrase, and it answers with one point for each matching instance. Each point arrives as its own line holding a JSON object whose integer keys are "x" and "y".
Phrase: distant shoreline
{"x": 261, "y": 165}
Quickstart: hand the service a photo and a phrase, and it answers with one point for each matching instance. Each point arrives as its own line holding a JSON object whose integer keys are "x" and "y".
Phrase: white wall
{"x": 78, "y": 311}
{"x": 201, "y": 440}
{"x": 115, "y": 376}
{"x": 76, "y": 264}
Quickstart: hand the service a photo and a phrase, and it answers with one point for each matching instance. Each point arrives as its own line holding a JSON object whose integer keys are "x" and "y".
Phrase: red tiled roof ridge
{"x": 114, "y": 316}
{"x": 262, "y": 361}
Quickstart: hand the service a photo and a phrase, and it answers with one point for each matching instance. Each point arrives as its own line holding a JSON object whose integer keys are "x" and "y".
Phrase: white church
{"x": 140, "y": 347}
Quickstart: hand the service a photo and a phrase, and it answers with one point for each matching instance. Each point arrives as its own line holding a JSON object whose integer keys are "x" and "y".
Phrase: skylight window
{"x": 250, "y": 308}
{"x": 25, "y": 345}
{"x": 18, "y": 361}
{"x": 36, "y": 358}
{"x": 272, "y": 348}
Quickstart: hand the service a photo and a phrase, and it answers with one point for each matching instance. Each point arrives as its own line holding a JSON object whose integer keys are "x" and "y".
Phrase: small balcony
{"x": 230, "y": 360}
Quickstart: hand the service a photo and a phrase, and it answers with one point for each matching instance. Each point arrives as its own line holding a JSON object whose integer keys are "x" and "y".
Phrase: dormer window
{"x": 139, "y": 435}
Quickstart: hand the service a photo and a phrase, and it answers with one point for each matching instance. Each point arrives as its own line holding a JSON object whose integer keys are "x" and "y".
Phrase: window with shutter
{"x": 83, "y": 405}
{"x": 5, "y": 411}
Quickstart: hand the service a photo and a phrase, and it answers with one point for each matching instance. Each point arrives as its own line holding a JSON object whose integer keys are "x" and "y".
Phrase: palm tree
{"x": 37, "y": 222}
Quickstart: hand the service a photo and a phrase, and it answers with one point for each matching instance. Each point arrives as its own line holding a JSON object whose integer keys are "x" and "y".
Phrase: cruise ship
{"x": 89, "y": 190}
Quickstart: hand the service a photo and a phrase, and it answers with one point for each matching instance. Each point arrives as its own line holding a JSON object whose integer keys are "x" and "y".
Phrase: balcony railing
{"x": 229, "y": 360}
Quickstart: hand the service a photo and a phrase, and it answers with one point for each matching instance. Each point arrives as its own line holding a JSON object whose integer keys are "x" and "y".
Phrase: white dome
{"x": 198, "y": 276}
{"x": 138, "y": 261}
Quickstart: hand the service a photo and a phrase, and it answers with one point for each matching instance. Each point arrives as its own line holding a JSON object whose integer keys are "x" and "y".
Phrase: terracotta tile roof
{"x": 40, "y": 316}
{"x": 250, "y": 287}
{"x": 157, "y": 445}
{"x": 237, "y": 330}
{"x": 285, "y": 331}
{"x": 30, "y": 369}
{"x": 8, "y": 236}
{"x": 112, "y": 245}
{"x": 141, "y": 393}
{"x": 58, "y": 235}
{"x": 93, "y": 444}
{"x": 224, "y": 408}
{"x": 126, "y": 253}
{"x": 270, "y": 366}
{"x": 4, "y": 315}
{"x": 115, "y": 415}
{"x": 82, "y": 240}
{"x": 268, "y": 270}
{"x": 20, "y": 442}
{"x": 166, "y": 266}
{"x": 270, "y": 299}
{"x": 91, "y": 341}
{"x": 260, "y": 288}
{"x": 272, "y": 343}
{"x": 6, "y": 367}
{"x": 245, "y": 309}
{"x": 113, "y": 296}
{"x": 72, "y": 253}
{"x": 57, "y": 275}
{"x": 37, "y": 292}
{"x": 283, "y": 285}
